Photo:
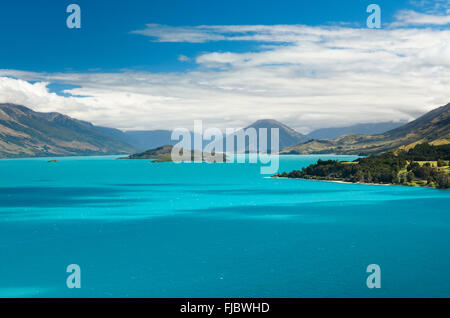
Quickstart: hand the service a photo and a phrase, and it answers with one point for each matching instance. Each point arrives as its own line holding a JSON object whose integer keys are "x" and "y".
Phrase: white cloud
{"x": 410, "y": 17}
{"x": 432, "y": 6}
{"x": 214, "y": 33}
{"x": 307, "y": 77}
{"x": 165, "y": 33}
{"x": 183, "y": 58}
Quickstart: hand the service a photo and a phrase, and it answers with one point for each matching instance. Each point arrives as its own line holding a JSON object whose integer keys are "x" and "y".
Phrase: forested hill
{"x": 423, "y": 165}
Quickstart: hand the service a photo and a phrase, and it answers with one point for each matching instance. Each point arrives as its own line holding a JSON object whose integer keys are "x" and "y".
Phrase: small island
{"x": 421, "y": 165}
{"x": 164, "y": 154}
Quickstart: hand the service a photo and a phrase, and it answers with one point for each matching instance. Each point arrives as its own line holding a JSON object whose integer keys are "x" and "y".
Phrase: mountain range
{"x": 142, "y": 139}
{"x": 150, "y": 139}
{"x": 287, "y": 136}
{"x": 433, "y": 127}
{"x": 362, "y": 129}
{"x": 26, "y": 133}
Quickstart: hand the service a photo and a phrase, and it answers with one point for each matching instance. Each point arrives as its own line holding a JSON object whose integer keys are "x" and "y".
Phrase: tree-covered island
{"x": 423, "y": 165}
{"x": 164, "y": 154}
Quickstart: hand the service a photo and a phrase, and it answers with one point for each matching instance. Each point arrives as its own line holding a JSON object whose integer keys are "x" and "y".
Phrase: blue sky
{"x": 35, "y": 37}
{"x": 163, "y": 64}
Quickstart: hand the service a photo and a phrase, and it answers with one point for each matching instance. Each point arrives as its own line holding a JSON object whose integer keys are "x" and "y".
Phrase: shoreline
{"x": 360, "y": 183}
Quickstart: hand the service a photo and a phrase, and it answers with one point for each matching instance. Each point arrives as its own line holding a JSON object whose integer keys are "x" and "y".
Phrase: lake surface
{"x": 140, "y": 229}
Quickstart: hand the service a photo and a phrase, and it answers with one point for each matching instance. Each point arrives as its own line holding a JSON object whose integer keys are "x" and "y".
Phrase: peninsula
{"x": 423, "y": 165}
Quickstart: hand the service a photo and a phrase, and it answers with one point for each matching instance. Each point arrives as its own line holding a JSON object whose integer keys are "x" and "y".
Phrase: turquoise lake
{"x": 141, "y": 229}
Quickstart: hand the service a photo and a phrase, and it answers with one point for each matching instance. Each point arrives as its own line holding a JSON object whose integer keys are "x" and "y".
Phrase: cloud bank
{"x": 308, "y": 77}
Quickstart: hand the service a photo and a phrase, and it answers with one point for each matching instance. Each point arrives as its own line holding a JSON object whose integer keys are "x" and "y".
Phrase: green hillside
{"x": 433, "y": 127}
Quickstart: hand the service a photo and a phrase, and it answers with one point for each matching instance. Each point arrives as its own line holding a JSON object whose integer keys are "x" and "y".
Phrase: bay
{"x": 141, "y": 229}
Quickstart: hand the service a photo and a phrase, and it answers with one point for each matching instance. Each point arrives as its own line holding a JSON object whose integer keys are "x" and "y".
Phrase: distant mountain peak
{"x": 271, "y": 123}
{"x": 268, "y": 121}
{"x": 287, "y": 135}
